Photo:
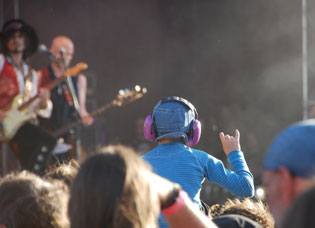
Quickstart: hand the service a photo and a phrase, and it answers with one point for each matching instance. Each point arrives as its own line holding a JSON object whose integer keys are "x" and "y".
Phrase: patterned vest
{"x": 8, "y": 84}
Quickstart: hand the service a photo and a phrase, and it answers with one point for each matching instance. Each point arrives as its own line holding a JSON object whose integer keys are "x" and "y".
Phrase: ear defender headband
{"x": 194, "y": 133}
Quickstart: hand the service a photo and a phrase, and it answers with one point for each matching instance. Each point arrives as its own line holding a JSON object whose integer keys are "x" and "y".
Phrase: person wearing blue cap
{"x": 174, "y": 125}
{"x": 289, "y": 166}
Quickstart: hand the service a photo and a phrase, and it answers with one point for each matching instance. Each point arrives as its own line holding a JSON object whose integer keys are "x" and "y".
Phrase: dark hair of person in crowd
{"x": 301, "y": 213}
{"x": 111, "y": 190}
{"x": 26, "y": 200}
{"x": 65, "y": 172}
{"x": 254, "y": 210}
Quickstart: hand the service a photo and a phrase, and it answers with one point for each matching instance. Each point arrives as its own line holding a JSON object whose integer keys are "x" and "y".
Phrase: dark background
{"x": 239, "y": 62}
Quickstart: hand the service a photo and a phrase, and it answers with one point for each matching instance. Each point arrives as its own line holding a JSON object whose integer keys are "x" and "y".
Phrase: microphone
{"x": 62, "y": 51}
{"x": 43, "y": 48}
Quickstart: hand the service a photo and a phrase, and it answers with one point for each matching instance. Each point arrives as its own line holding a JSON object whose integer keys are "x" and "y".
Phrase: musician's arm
{"x": 82, "y": 87}
{"x": 45, "y": 105}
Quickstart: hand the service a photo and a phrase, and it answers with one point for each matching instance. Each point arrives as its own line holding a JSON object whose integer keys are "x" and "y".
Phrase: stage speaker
{"x": 33, "y": 147}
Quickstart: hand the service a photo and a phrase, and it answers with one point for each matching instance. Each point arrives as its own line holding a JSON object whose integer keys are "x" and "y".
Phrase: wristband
{"x": 171, "y": 200}
{"x": 179, "y": 203}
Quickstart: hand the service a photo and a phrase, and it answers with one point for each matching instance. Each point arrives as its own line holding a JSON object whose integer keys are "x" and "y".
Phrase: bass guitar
{"x": 123, "y": 98}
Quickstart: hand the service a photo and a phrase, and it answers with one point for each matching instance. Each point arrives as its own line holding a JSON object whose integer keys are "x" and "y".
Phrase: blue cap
{"x": 172, "y": 120}
{"x": 294, "y": 148}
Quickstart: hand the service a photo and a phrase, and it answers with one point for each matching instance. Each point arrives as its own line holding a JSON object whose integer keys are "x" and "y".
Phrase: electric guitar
{"x": 19, "y": 111}
{"x": 123, "y": 98}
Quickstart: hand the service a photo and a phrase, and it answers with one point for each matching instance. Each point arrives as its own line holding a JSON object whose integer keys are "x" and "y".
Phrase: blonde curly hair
{"x": 254, "y": 210}
{"x": 65, "y": 172}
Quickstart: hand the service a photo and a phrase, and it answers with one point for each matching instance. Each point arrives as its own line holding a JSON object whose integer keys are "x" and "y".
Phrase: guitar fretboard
{"x": 122, "y": 100}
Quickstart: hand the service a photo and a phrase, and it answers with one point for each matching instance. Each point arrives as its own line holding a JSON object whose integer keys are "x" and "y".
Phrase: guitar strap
{"x": 73, "y": 94}
{"x": 67, "y": 94}
{"x": 76, "y": 105}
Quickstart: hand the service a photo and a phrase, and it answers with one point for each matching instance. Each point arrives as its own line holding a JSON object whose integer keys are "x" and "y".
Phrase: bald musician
{"x": 68, "y": 97}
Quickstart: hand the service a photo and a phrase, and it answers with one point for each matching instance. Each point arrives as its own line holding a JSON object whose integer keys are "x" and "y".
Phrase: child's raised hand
{"x": 230, "y": 143}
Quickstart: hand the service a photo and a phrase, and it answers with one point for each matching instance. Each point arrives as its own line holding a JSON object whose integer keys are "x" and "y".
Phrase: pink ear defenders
{"x": 150, "y": 132}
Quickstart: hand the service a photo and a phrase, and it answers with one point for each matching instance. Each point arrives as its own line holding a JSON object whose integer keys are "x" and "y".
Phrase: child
{"x": 175, "y": 127}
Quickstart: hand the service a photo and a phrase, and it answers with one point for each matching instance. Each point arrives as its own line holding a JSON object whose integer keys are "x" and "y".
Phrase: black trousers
{"x": 33, "y": 147}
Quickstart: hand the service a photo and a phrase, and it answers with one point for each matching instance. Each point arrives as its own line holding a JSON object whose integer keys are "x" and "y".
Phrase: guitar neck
{"x": 61, "y": 131}
{"x": 120, "y": 101}
{"x": 54, "y": 83}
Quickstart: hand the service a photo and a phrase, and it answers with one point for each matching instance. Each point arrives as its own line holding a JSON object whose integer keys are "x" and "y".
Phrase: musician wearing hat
{"x": 18, "y": 81}
{"x": 18, "y": 42}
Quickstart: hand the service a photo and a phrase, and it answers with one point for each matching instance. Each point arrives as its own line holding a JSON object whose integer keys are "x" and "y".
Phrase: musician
{"x": 18, "y": 42}
{"x": 69, "y": 97}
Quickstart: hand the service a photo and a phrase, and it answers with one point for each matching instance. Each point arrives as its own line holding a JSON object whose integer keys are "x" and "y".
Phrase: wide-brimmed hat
{"x": 14, "y": 25}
